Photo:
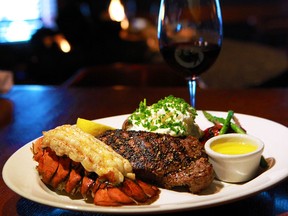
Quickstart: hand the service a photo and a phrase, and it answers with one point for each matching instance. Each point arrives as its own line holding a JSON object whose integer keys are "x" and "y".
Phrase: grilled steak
{"x": 163, "y": 160}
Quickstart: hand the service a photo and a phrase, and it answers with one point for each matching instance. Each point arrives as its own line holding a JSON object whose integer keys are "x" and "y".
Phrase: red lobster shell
{"x": 65, "y": 175}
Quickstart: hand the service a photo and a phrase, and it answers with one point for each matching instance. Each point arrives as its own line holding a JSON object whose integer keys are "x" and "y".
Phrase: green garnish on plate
{"x": 170, "y": 115}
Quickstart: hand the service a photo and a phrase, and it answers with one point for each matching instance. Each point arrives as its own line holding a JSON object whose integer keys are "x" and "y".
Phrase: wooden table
{"x": 28, "y": 110}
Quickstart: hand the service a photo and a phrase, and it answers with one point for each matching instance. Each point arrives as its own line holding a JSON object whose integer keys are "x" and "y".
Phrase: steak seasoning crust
{"x": 162, "y": 159}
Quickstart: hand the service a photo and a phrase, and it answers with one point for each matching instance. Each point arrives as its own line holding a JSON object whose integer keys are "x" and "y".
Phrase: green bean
{"x": 237, "y": 129}
{"x": 213, "y": 119}
{"x": 219, "y": 120}
{"x": 227, "y": 121}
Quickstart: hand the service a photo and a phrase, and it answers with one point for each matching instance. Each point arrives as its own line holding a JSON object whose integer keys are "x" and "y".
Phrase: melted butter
{"x": 234, "y": 148}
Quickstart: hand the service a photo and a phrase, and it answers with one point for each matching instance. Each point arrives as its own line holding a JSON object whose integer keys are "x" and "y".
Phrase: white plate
{"x": 20, "y": 175}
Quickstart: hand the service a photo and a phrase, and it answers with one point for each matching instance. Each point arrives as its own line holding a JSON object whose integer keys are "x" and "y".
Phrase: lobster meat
{"x": 73, "y": 177}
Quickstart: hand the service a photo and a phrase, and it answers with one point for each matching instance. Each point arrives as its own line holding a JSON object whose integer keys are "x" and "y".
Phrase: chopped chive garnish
{"x": 171, "y": 114}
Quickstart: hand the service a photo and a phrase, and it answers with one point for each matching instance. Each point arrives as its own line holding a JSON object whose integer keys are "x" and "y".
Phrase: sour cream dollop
{"x": 170, "y": 115}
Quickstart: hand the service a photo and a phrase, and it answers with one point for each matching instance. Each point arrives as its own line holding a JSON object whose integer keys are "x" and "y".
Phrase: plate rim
{"x": 160, "y": 208}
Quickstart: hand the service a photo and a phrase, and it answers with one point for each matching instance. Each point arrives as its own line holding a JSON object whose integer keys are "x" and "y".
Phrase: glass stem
{"x": 192, "y": 83}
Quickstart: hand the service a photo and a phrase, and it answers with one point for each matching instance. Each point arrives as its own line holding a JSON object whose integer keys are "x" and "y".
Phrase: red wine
{"x": 190, "y": 59}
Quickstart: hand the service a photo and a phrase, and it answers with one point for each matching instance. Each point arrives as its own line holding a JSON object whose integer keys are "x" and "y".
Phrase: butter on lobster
{"x": 93, "y": 154}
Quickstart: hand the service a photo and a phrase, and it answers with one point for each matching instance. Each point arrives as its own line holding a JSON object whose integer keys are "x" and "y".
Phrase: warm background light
{"x": 116, "y": 11}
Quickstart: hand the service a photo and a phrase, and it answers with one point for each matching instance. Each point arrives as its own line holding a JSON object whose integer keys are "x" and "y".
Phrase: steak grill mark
{"x": 162, "y": 159}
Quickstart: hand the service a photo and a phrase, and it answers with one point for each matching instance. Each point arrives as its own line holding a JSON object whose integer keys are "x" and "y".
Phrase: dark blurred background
{"x": 47, "y": 41}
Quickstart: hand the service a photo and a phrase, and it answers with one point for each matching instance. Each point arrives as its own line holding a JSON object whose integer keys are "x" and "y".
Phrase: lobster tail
{"x": 65, "y": 175}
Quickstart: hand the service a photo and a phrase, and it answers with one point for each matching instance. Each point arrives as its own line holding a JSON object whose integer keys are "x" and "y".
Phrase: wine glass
{"x": 190, "y": 37}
